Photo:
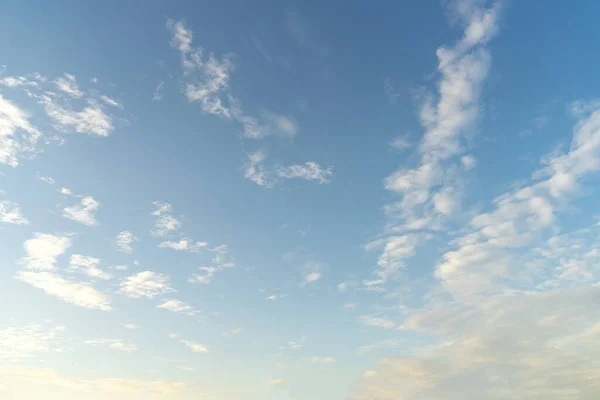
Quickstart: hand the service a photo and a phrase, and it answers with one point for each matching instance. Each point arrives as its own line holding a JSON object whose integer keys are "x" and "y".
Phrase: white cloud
{"x": 349, "y": 306}
{"x": 310, "y": 171}
{"x": 77, "y": 293}
{"x": 10, "y": 213}
{"x": 272, "y": 297}
{"x": 130, "y": 326}
{"x": 43, "y": 249}
{"x": 68, "y": 85}
{"x": 431, "y": 191}
{"x": 91, "y": 119}
{"x": 66, "y": 191}
{"x": 88, "y": 266}
{"x": 277, "y": 382}
{"x": 184, "y": 244}
{"x": 313, "y": 272}
{"x": 341, "y": 287}
{"x": 373, "y": 320}
{"x": 268, "y": 176}
{"x": 83, "y": 212}
{"x": 47, "y": 179}
{"x": 396, "y": 249}
{"x": 322, "y": 360}
{"x": 115, "y": 344}
{"x": 18, "y": 136}
{"x": 124, "y": 240}
{"x": 178, "y": 306}
{"x": 110, "y": 101}
{"x": 19, "y": 343}
{"x": 210, "y": 84}
{"x": 165, "y": 221}
{"x": 146, "y": 284}
{"x": 370, "y": 373}
{"x": 17, "y": 81}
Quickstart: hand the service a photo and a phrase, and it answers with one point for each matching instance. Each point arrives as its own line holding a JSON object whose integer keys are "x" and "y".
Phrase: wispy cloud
{"x": 184, "y": 244}
{"x": 18, "y": 343}
{"x": 178, "y": 306}
{"x": 268, "y": 176}
{"x": 165, "y": 221}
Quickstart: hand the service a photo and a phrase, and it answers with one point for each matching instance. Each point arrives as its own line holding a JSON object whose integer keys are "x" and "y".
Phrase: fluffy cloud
{"x": 43, "y": 249}
{"x": 10, "y": 213}
{"x": 124, "y": 240}
{"x": 146, "y": 284}
{"x": 83, "y": 212}
{"x": 165, "y": 221}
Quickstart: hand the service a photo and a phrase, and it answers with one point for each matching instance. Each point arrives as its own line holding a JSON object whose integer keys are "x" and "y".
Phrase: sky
{"x": 299, "y": 200}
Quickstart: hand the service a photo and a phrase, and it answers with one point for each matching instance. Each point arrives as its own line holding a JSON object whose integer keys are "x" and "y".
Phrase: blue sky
{"x": 277, "y": 200}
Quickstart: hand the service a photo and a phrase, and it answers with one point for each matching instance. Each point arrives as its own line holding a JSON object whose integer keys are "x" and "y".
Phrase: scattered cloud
{"x": 68, "y": 84}
{"x": 130, "y": 326}
{"x": 47, "y": 179}
{"x": 83, "y": 212}
{"x": 10, "y": 213}
{"x": 87, "y": 265}
{"x": 268, "y": 176}
{"x": 43, "y": 249}
{"x": 165, "y": 221}
{"x": 184, "y": 244}
{"x": 146, "y": 284}
{"x": 124, "y": 240}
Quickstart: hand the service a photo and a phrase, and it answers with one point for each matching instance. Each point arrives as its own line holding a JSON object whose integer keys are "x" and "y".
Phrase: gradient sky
{"x": 312, "y": 200}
